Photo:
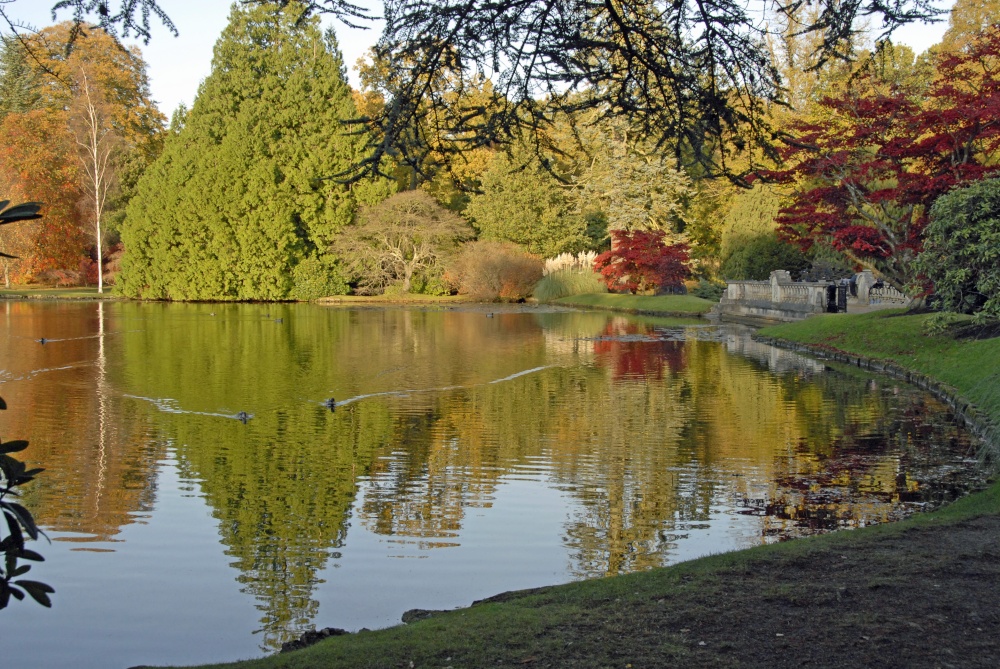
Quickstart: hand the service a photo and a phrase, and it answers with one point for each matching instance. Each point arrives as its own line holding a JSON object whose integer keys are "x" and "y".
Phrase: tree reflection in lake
{"x": 455, "y": 437}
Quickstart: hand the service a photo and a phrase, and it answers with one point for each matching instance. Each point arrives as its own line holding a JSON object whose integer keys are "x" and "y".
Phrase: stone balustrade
{"x": 781, "y": 299}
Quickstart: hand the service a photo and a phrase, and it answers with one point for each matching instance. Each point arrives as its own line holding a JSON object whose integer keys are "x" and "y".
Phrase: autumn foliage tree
{"x": 38, "y": 163}
{"x": 640, "y": 260}
{"x": 51, "y": 150}
{"x": 871, "y": 165}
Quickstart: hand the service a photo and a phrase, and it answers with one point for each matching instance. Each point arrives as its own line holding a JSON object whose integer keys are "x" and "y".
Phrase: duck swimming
{"x": 330, "y": 404}
{"x": 243, "y": 417}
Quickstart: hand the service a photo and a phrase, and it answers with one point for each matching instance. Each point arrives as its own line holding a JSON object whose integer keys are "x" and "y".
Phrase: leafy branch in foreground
{"x": 14, "y": 473}
{"x": 699, "y": 75}
{"x": 698, "y": 78}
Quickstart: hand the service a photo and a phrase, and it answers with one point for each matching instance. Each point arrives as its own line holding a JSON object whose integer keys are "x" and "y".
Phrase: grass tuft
{"x": 567, "y": 282}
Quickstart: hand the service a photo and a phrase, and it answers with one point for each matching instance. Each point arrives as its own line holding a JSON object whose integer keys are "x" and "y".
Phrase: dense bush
{"x": 961, "y": 255}
{"x": 640, "y": 260}
{"x": 709, "y": 290}
{"x": 317, "y": 277}
{"x": 754, "y": 257}
{"x": 564, "y": 282}
{"x": 495, "y": 271}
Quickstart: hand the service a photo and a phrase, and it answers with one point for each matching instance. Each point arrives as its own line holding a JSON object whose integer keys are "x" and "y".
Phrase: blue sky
{"x": 177, "y": 65}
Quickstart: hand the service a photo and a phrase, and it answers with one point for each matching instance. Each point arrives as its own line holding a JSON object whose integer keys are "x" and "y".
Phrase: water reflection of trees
{"x": 650, "y": 429}
{"x": 99, "y": 453}
{"x": 665, "y": 439}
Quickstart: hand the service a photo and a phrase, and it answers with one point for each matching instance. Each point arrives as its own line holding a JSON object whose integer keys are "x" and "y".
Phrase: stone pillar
{"x": 865, "y": 281}
{"x": 778, "y": 277}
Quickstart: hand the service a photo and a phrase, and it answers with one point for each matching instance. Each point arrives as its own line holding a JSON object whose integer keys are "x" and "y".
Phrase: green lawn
{"x": 971, "y": 367}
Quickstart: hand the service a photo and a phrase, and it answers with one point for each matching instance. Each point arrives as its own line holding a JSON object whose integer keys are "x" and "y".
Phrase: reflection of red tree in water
{"x": 631, "y": 350}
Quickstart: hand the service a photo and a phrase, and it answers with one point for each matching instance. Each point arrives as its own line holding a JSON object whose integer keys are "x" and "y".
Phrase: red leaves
{"x": 862, "y": 241}
{"x": 640, "y": 260}
{"x": 870, "y": 171}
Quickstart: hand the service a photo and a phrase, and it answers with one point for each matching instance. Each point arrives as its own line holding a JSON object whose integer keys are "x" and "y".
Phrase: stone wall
{"x": 780, "y": 299}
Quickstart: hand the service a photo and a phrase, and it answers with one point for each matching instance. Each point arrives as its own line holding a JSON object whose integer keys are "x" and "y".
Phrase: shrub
{"x": 708, "y": 290}
{"x": 491, "y": 271}
{"x": 400, "y": 240}
{"x": 640, "y": 260}
{"x": 317, "y": 277}
{"x": 431, "y": 282}
{"x": 113, "y": 263}
{"x": 961, "y": 255}
{"x": 63, "y": 278}
{"x": 565, "y": 282}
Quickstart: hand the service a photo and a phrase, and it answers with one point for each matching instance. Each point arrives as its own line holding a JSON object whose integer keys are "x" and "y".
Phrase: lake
{"x": 204, "y": 503}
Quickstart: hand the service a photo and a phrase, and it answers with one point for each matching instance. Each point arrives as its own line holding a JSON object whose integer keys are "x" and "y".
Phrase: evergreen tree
{"x": 19, "y": 82}
{"x": 240, "y": 195}
{"x": 524, "y": 204}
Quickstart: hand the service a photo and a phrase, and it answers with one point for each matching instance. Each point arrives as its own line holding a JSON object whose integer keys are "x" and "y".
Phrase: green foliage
{"x": 754, "y": 257}
{"x": 748, "y": 226}
{"x": 18, "y": 523}
{"x": 488, "y": 270}
{"x": 565, "y": 282}
{"x": 318, "y": 276}
{"x": 961, "y": 255}
{"x": 431, "y": 283}
{"x": 751, "y": 214}
{"x": 633, "y": 182}
{"x": 242, "y": 194}
{"x": 941, "y": 322}
{"x": 525, "y": 205}
{"x": 19, "y": 81}
{"x": 709, "y": 290}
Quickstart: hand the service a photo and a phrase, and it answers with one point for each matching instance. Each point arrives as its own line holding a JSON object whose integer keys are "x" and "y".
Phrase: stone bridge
{"x": 780, "y": 299}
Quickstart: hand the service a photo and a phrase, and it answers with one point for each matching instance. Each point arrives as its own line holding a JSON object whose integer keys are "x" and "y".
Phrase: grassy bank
{"x": 922, "y": 592}
{"x": 672, "y": 305}
{"x": 47, "y": 293}
{"x": 970, "y": 366}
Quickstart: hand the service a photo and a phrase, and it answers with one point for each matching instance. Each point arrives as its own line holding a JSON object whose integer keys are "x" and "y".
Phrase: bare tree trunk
{"x": 97, "y": 144}
{"x": 407, "y": 277}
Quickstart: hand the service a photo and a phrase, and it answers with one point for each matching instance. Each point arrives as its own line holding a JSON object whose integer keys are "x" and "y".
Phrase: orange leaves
{"x": 38, "y": 163}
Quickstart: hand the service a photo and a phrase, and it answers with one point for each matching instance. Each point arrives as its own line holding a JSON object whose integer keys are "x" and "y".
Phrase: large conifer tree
{"x": 239, "y": 196}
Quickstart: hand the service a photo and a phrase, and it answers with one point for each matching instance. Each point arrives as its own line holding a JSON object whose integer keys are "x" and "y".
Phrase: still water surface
{"x": 467, "y": 455}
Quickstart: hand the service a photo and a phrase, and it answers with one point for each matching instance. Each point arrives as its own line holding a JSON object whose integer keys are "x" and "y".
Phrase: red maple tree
{"x": 869, "y": 171}
{"x": 641, "y": 260}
